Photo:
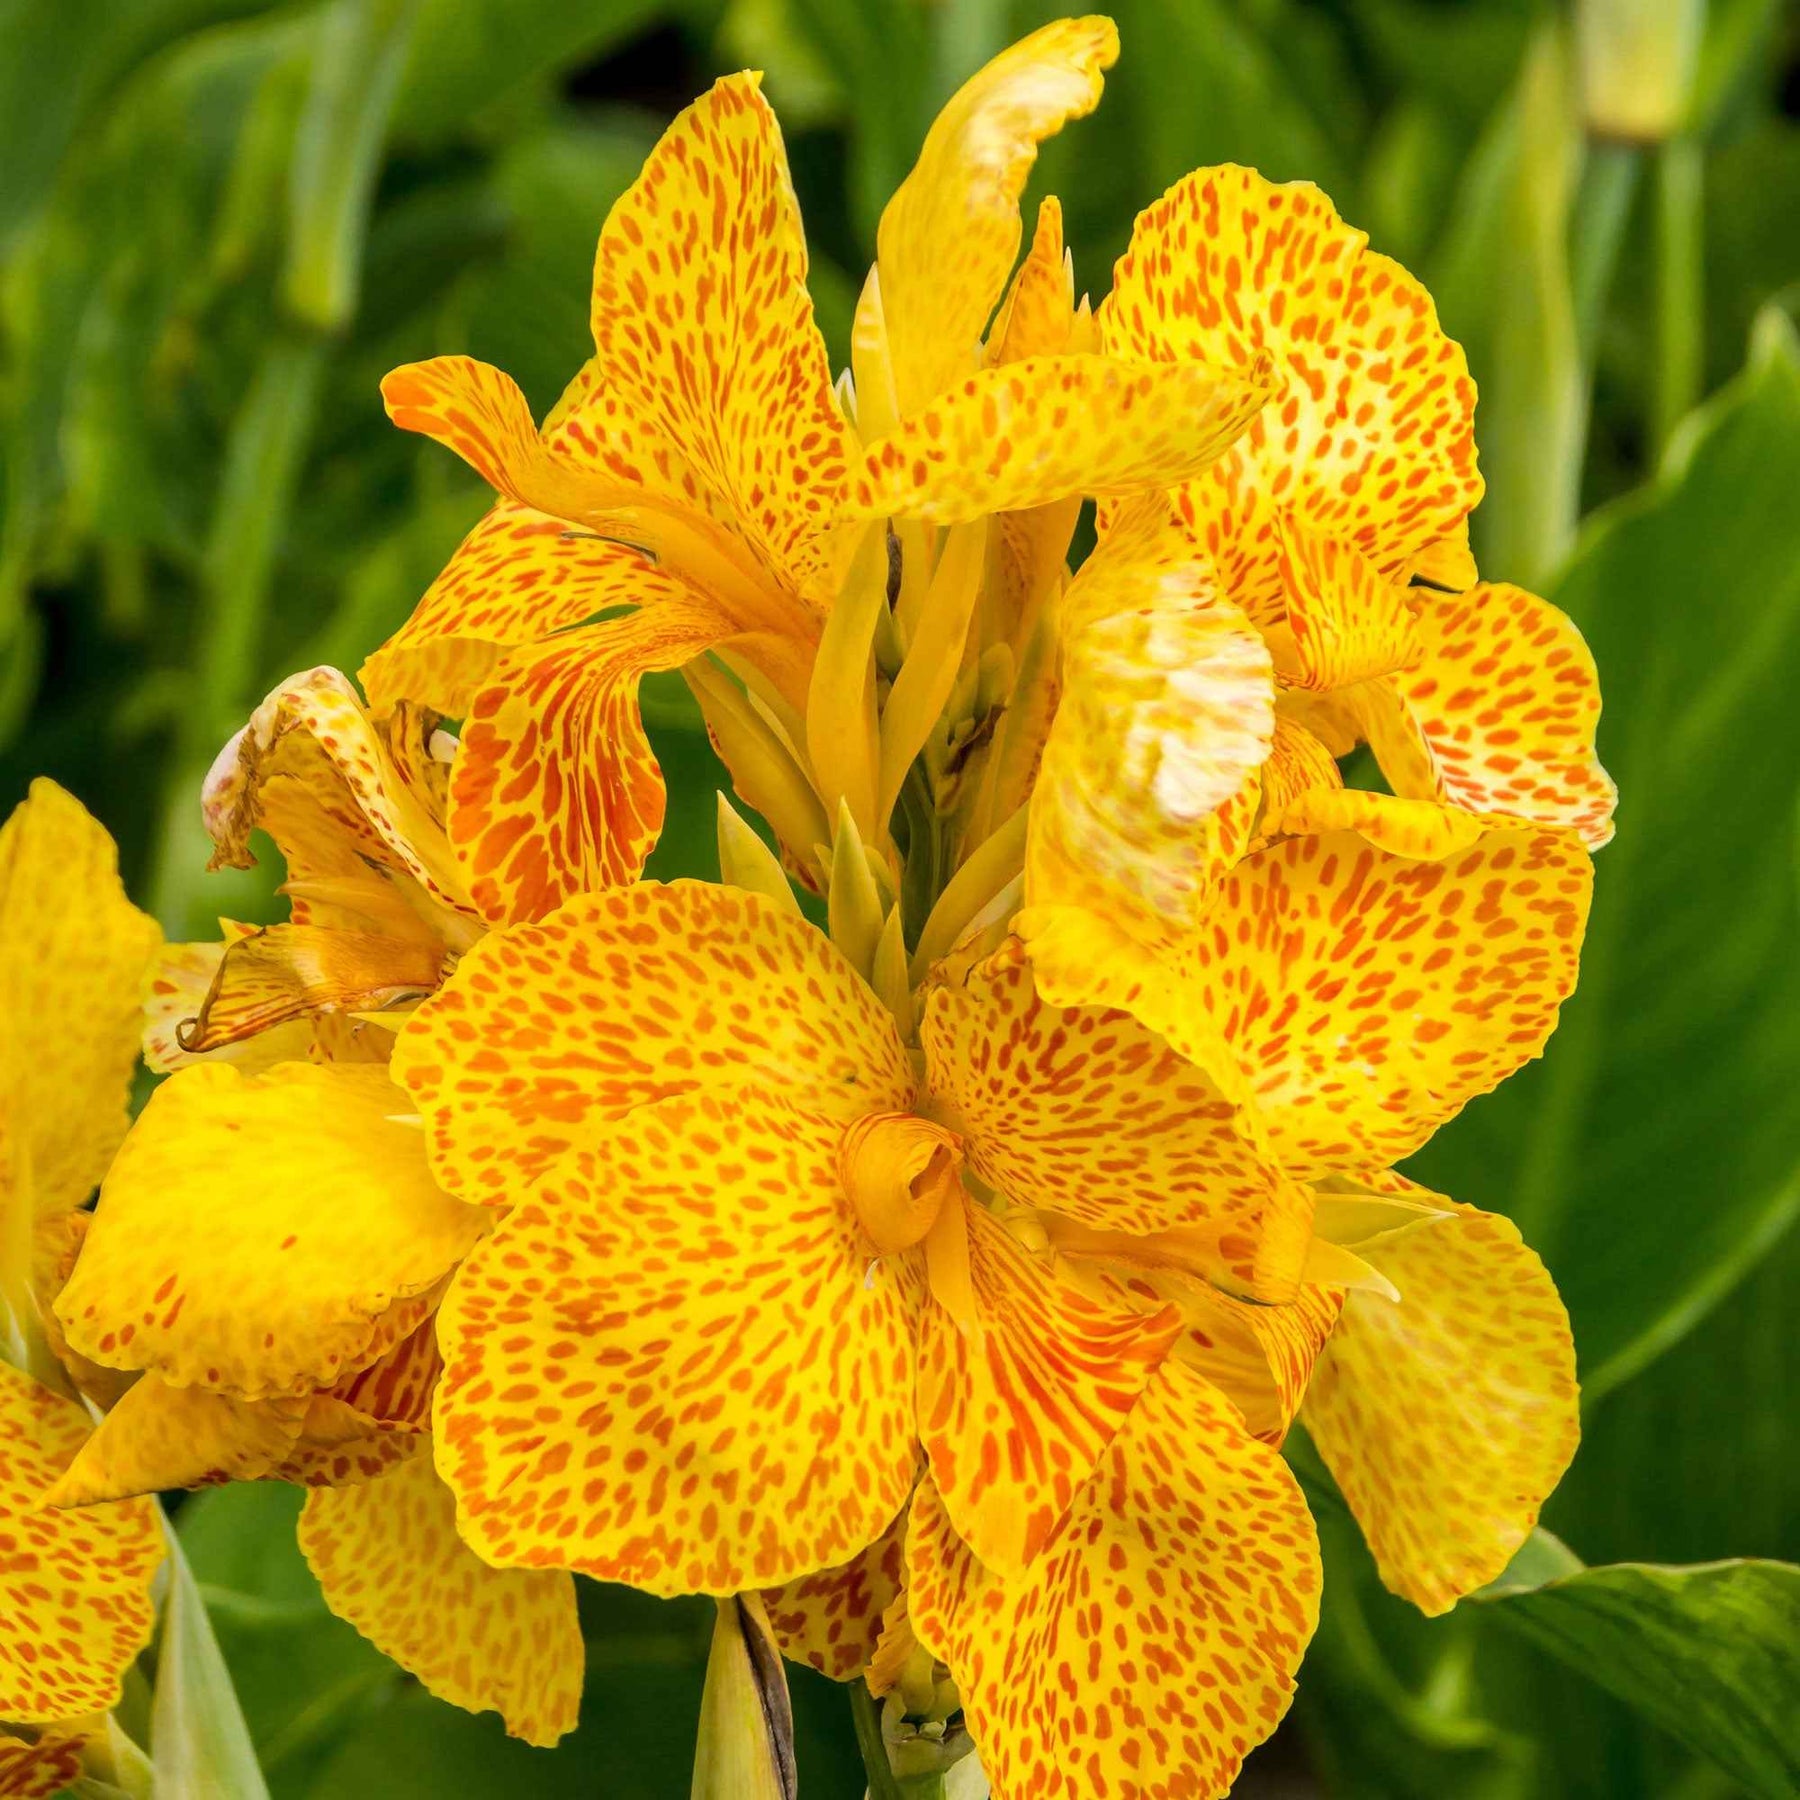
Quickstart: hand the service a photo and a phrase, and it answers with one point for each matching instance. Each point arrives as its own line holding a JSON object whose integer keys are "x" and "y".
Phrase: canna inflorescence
{"x": 929, "y": 1232}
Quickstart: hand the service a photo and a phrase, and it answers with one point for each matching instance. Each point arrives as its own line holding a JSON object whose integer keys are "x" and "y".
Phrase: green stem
{"x": 1680, "y": 285}
{"x": 865, "y": 1712}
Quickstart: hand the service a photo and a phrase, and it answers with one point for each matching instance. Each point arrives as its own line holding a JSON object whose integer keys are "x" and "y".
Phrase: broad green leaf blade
{"x": 199, "y": 1743}
{"x": 1711, "y": 1653}
{"x": 1654, "y": 1154}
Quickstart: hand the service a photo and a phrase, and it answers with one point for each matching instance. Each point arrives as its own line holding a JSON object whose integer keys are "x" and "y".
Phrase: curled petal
{"x": 832, "y": 1620}
{"x": 950, "y": 234}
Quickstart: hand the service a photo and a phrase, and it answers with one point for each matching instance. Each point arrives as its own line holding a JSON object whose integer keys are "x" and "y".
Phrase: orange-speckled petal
{"x": 1039, "y": 430}
{"x": 1082, "y": 1111}
{"x": 371, "y": 1420}
{"x": 1167, "y": 711}
{"x": 1259, "y": 1357}
{"x": 950, "y": 234}
{"x": 74, "y": 1587}
{"x": 1370, "y": 440}
{"x": 832, "y": 1620}
{"x": 181, "y": 979}
{"x": 362, "y": 848}
{"x": 1449, "y": 1415}
{"x": 254, "y": 1229}
{"x": 281, "y": 973}
{"x": 518, "y": 577}
{"x": 672, "y": 1367}
{"x": 160, "y": 1437}
{"x": 1038, "y": 314}
{"x": 1016, "y": 1412}
{"x": 556, "y": 790}
{"x": 546, "y": 1032}
{"x": 389, "y": 1560}
{"x": 1420, "y": 830}
{"x": 37, "y": 1771}
{"x": 1368, "y": 996}
{"x": 1501, "y": 712}
{"x": 704, "y": 329}
{"x": 1155, "y": 1641}
{"x": 1298, "y": 762}
{"x": 75, "y": 958}
{"x": 1346, "y": 622}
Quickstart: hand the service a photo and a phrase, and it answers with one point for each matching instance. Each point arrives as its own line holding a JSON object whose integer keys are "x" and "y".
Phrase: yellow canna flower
{"x": 74, "y": 955}
{"x": 754, "y": 1267}
{"x": 701, "y": 471}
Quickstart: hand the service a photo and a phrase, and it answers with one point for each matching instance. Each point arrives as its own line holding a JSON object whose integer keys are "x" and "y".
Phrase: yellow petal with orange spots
{"x": 1447, "y": 562}
{"x": 673, "y": 1366}
{"x": 1298, "y": 762}
{"x": 1368, "y": 996}
{"x": 1421, "y": 830}
{"x": 1167, "y": 711}
{"x": 1371, "y": 437}
{"x": 1345, "y": 621}
{"x": 1501, "y": 711}
{"x": 181, "y": 979}
{"x": 75, "y": 959}
{"x": 1083, "y": 1112}
{"x": 704, "y": 328}
{"x": 519, "y": 576}
{"x": 74, "y": 1587}
{"x": 1038, "y": 314}
{"x": 160, "y": 1437}
{"x": 1154, "y": 1643}
{"x": 1259, "y": 1357}
{"x": 555, "y": 789}
{"x": 1449, "y": 1415}
{"x": 362, "y": 846}
{"x": 370, "y": 1420}
{"x": 254, "y": 1229}
{"x": 1016, "y": 1412}
{"x": 950, "y": 234}
{"x": 36, "y": 1771}
{"x": 1033, "y": 432}
{"x": 832, "y": 1620}
{"x": 389, "y": 1560}
{"x": 546, "y": 1032}
{"x": 283, "y": 973}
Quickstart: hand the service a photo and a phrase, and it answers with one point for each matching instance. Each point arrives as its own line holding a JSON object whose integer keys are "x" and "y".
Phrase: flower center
{"x": 898, "y": 1171}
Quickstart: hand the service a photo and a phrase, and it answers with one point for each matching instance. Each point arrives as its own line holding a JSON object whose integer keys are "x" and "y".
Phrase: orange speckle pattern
{"x": 1082, "y": 1111}
{"x": 555, "y": 789}
{"x": 672, "y": 1367}
{"x": 1047, "y": 427}
{"x": 389, "y": 1560}
{"x": 36, "y": 1771}
{"x": 950, "y": 234}
{"x": 1369, "y": 996}
{"x": 1499, "y": 713}
{"x": 1166, "y": 712}
{"x": 1015, "y": 1413}
{"x": 1370, "y": 438}
{"x": 832, "y": 1620}
{"x": 632, "y": 996}
{"x": 1154, "y": 1643}
{"x": 240, "y": 1247}
{"x": 1449, "y": 1416}
{"x": 74, "y": 1587}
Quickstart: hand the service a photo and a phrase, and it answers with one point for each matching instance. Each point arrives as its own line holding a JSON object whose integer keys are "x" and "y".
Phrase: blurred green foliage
{"x": 221, "y": 221}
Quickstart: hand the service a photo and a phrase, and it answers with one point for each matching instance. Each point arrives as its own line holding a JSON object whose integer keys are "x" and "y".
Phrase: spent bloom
{"x": 941, "y": 1278}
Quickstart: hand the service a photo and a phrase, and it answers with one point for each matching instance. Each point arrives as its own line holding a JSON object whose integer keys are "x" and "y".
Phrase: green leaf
{"x": 1710, "y": 1653}
{"x": 337, "y": 154}
{"x": 1653, "y": 1156}
{"x": 198, "y": 1739}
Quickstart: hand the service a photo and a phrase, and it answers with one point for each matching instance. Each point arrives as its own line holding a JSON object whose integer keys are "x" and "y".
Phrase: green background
{"x": 221, "y": 222}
